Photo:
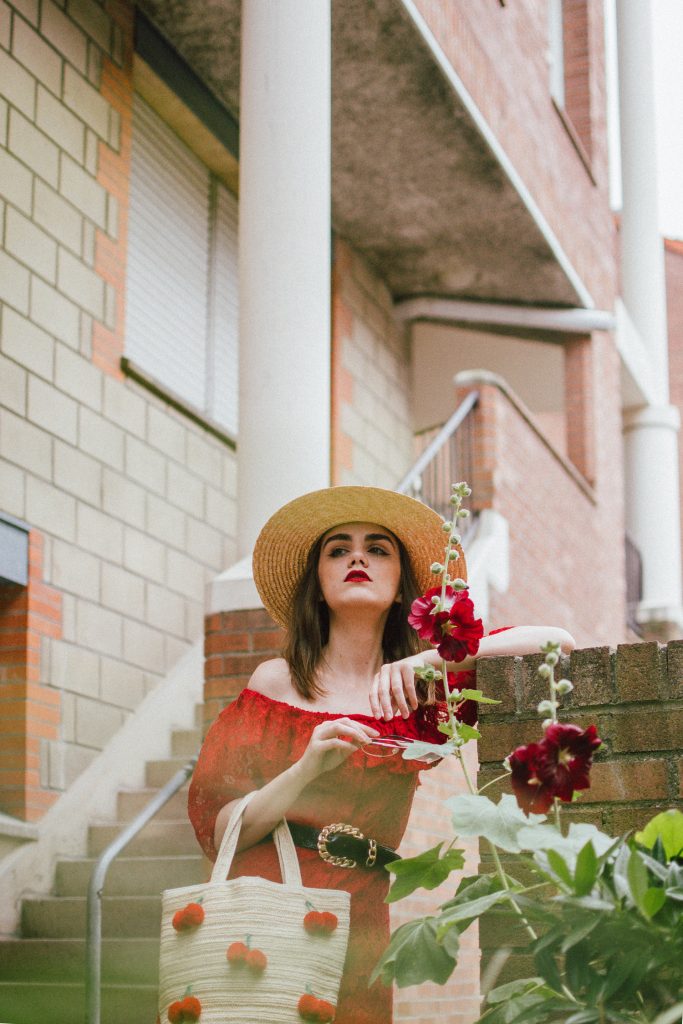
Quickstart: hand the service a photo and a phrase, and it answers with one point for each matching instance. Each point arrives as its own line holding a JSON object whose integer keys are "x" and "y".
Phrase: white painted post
{"x": 284, "y": 257}
{"x": 650, "y": 432}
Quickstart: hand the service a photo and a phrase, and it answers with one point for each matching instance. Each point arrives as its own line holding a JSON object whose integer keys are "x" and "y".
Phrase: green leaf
{"x": 544, "y": 962}
{"x": 420, "y": 751}
{"x": 586, "y": 870}
{"x": 579, "y": 934}
{"x": 559, "y": 866}
{"x": 426, "y": 871}
{"x": 500, "y": 823}
{"x": 467, "y": 732}
{"x": 621, "y": 970}
{"x": 668, "y": 826}
{"x": 476, "y": 695}
{"x": 672, "y": 1015}
{"x": 446, "y": 728}
{"x": 468, "y": 910}
{"x": 584, "y": 1017}
{"x": 638, "y": 881}
{"x": 653, "y": 901}
{"x": 414, "y": 956}
{"x": 513, "y": 988}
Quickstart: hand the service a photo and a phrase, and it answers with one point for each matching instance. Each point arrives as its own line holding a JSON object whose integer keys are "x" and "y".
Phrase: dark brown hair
{"x": 309, "y": 624}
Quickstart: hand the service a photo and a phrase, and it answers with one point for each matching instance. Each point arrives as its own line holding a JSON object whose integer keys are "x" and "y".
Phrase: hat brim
{"x": 283, "y": 545}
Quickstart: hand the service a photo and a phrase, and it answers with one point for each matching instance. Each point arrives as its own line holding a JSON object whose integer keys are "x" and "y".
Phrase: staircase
{"x": 42, "y": 972}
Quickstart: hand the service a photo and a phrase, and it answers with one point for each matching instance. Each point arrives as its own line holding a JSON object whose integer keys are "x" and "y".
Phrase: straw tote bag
{"x": 240, "y": 951}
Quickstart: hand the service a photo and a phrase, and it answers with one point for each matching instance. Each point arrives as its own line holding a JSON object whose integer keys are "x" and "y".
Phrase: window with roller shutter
{"x": 181, "y": 295}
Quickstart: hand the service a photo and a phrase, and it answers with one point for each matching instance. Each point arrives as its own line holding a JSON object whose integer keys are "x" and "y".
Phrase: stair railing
{"x": 93, "y": 975}
{"x": 447, "y": 458}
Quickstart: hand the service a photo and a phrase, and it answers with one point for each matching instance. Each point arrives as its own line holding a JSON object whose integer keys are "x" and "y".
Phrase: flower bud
{"x": 447, "y": 526}
{"x": 455, "y": 538}
{"x": 552, "y": 658}
{"x": 455, "y": 499}
{"x": 436, "y": 568}
{"x": 546, "y": 723}
{"x": 564, "y": 686}
{"x": 452, "y": 555}
{"x": 459, "y": 584}
{"x": 546, "y": 707}
{"x": 463, "y": 513}
{"x": 545, "y": 671}
{"x": 436, "y": 599}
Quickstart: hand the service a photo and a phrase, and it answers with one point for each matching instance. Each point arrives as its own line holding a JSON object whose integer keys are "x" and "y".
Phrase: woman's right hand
{"x": 331, "y": 743}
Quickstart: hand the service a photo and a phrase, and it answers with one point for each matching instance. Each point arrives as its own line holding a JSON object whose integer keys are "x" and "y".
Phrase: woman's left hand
{"x": 393, "y": 688}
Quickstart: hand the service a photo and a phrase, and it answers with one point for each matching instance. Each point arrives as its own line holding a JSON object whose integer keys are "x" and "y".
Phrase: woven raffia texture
{"x": 272, "y": 916}
{"x": 265, "y": 915}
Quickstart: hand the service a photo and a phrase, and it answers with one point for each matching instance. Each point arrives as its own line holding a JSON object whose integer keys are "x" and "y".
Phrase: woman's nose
{"x": 358, "y": 556}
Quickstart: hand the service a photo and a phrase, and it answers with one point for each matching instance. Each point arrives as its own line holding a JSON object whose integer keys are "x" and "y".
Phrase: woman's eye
{"x": 336, "y": 552}
{"x": 377, "y": 550}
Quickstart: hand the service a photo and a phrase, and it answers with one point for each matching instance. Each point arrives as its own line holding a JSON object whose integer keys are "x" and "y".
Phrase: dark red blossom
{"x": 454, "y": 631}
{"x": 468, "y": 710}
{"x": 556, "y": 767}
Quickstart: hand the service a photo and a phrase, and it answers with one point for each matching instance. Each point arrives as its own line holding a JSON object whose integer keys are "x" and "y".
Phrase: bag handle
{"x": 282, "y": 837}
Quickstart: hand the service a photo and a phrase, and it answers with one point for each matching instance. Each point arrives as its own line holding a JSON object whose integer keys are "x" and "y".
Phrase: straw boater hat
{"x": 284, "y": 542}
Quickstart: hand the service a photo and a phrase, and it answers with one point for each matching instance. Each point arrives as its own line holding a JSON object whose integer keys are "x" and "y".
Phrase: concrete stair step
{"x": 124, "y": 961}
{"x": 186, "y": 742}
{"x": 158, "y": 773}
{"x": 157, "y": 838}
{"x": 131, "y": 876}
{"x": 41, "y": 1003}
{"x": 131, "y": 802}
{"x": 57, "y": 917}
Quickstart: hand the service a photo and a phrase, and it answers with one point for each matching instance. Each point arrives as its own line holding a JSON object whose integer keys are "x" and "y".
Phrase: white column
{"x": 650, "y": 432}
{"x": 284, "y": 257}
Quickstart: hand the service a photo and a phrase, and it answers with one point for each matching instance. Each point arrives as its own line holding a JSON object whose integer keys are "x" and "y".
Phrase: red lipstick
{"x": 357, "y": 574}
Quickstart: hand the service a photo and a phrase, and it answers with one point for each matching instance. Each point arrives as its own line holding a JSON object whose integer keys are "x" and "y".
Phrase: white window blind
{"x": 181, "y": 298}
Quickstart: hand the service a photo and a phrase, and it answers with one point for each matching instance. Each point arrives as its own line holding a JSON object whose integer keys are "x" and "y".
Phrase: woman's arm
{"x": 331, "y": 743}
{"x": 393, "y": 689}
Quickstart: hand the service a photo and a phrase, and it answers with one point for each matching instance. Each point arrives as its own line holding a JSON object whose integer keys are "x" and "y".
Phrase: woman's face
{"x": 359, "y": 568}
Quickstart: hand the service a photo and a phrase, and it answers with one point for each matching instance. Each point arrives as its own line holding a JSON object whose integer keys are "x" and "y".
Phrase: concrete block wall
{"x": 633, "y": 695}
{"x": 372, "y": 439}
{"x": 132, "y": 502}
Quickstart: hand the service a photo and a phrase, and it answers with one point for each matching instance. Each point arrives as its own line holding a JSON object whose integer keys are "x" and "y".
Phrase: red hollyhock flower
{"x": 468, "y": 710}
{"x": 556, "y": 767}
{"x": 454, "y": 631}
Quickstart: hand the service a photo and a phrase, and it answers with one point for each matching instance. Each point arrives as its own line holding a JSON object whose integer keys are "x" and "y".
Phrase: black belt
{"x": 342, "y": 845}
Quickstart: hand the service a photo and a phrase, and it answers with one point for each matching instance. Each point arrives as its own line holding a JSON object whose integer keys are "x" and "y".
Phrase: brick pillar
{"x": 29, "y": 710}
{"x": 633, "y": 696}
{"x": 234, "y": 644}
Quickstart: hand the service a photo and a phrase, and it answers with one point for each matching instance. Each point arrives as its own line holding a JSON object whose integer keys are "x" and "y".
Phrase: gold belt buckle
{"x": 348, "y": 830}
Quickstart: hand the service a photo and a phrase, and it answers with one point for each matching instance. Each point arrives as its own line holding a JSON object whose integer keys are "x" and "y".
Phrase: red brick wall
{"x": 29, "y": 710}
{"x": 566, "y": 538}
{"x": 500, "y": 53}
{"x": 633, "y": 695}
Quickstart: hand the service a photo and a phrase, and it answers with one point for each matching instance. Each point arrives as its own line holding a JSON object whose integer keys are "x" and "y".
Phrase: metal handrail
{"x": 413, "y": 475}
{"x": 93, "y": 976}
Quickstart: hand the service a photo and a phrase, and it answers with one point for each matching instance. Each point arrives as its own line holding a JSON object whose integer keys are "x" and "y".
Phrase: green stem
{"x": 503, "y": 878}
{"x": 505, "y": 775}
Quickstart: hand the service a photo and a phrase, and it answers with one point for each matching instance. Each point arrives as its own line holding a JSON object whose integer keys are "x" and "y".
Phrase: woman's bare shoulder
{"x": 272, "y": 678}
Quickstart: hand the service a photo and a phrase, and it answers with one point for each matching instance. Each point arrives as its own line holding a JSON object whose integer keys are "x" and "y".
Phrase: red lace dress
{"x": 256, "y": 738}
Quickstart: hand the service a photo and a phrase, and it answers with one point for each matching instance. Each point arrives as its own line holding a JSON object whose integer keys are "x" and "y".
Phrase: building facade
{"x": 253, "y": 249}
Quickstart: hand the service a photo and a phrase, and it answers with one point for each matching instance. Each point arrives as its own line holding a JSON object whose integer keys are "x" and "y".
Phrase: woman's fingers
{"x": 397, "y": 690}
{"x": 385, "y": 692}
{"x": 408, "y": 673}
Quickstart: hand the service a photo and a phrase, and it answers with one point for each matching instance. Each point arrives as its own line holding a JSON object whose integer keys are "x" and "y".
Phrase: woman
{"x": 339, "y": 568}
